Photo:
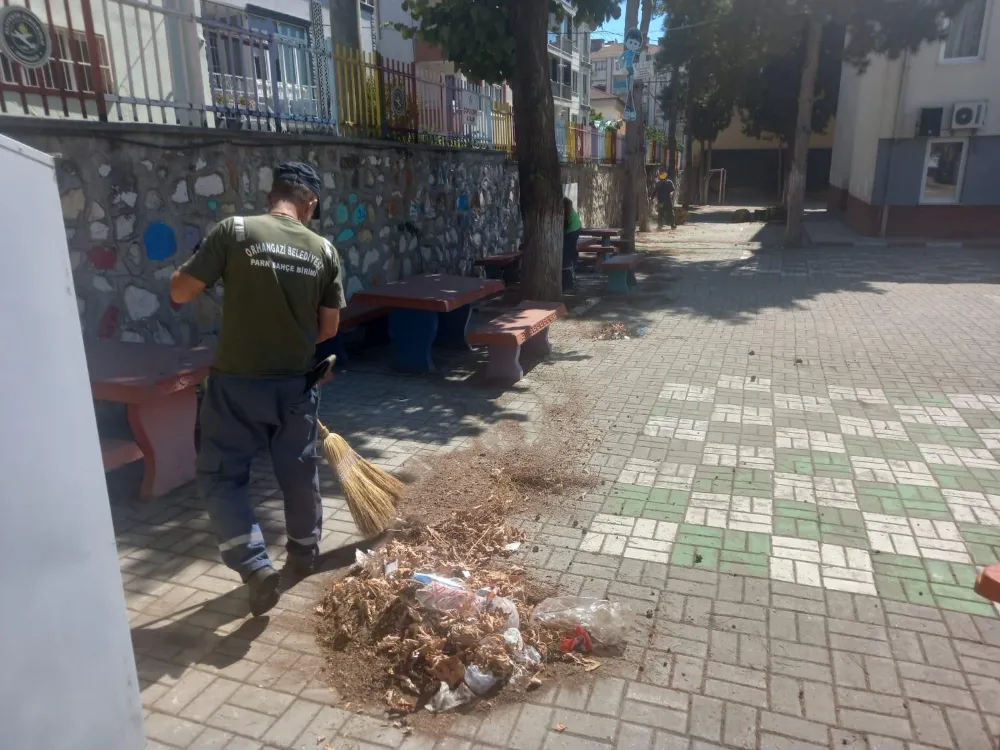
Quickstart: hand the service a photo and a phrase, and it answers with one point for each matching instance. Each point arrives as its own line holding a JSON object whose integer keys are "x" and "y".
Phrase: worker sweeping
{"x": 283, "y": 295}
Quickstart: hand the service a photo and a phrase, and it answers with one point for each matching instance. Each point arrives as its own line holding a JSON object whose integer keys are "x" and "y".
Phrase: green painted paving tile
{"x": 903, "y": 561}
{"x": 630, "y": 492}
{"x": 758, "y": 543}
{"x": 981, "y": 607}
{"x": 735, "y": 540}
{"x": 705, "y": 531}
{"x": 633, "y": 507}
{"x": 980, "y": 534}
{"x": 983, "y": 554}
{"x": 877, "y": 489}
{"x": 940, "y": 572}
{"x": 795, "y": 510}
{"x": 690, "y": 555}
{"x": 889, "y": 588}
{"x": 955, "y": 592}
{"x": 917, "y": 592}
{"x": 743, "y": 558}
{"x": 613, "y": 507}
{"x": 842, "y": 517}
{"x": 693, "y": 540}
{"x": 910, "y": 574}
{"x": 884, "y": 505}
{"x": 670, "y": 497}
{"x": 806, "y": 530}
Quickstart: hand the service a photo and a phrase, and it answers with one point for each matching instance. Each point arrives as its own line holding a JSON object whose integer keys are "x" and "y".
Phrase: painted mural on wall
{"x": 133, "y": 214}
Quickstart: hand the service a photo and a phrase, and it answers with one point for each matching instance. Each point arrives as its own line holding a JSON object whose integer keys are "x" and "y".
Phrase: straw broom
{"x": 371, "y": 492}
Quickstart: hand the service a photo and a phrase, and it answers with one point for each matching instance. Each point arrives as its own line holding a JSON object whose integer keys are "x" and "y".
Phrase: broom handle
{"x": 324, "y": 431}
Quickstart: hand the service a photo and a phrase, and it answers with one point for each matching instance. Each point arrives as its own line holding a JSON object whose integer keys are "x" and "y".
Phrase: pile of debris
{"x": 613, "y": 331}
{"x": 440, "y": 616}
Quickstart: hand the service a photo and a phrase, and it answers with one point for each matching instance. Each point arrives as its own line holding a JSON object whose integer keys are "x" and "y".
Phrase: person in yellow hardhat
{"x": 665, "y": 201}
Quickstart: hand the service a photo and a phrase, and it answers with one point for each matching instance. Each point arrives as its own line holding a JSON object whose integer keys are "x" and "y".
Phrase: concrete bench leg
{"x": 164, "y": 432}
{"x": 412, "y": 333}
{"x": 632, "y": 280}
{"x": 538, "y": 345}
{"x": 451, "y": 328}
{"x": 504, "y": 363}
{"x": 618, "y": 281}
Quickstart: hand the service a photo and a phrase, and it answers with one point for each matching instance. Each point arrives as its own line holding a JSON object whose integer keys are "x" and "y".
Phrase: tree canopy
{"x": 478, "y": 35}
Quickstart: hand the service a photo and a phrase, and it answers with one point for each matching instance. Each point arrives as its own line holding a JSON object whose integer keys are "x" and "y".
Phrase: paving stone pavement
{"x": 800, "y": 472}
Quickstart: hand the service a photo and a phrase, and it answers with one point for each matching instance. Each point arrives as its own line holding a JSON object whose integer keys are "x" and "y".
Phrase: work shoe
{"x": 263, "y": 585}
{"x": 299, "y": 566}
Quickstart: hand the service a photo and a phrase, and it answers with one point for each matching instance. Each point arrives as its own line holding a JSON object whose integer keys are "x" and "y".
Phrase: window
{"x": 965, "y": 32}
{"x": 944, "y": 168}
{"x": 576, "y": 82}
{"x": 69, "y": 69}
{"x": 600, "y": 66}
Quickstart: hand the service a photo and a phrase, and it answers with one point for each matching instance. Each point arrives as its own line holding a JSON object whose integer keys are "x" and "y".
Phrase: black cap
{"x": 298, "y": 173}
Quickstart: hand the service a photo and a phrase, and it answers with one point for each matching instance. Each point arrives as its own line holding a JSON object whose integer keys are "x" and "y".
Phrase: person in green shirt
{"x": 572, "y": 226}
{"x": 283, "y": 294}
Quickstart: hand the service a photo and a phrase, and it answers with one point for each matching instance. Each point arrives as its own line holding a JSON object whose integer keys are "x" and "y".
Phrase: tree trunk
{"x": 689, "y": 178}
{"x": 672, "y": 132}
{"x": 633, "y": 141}
{"x": 537, "y": 159}
{"x": 803, "y": 128}
{"x": 642, "y": 187}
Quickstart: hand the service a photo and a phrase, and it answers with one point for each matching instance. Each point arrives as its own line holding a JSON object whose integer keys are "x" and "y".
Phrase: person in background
{"x": 284, "y": 293}
{"x": 665, "y": 201}
{"x": 571, "y": 235}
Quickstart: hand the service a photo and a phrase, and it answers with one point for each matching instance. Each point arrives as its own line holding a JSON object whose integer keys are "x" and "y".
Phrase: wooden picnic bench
{"x": 523, "y": 329}
{"x": 504, "y": 266}
{"x": 428, "y": 310}
{"x": 621, "y": 272}
{"x": 157, "y": 383}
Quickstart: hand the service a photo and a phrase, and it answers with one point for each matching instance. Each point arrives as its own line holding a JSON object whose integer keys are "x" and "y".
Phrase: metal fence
{"x": 156, "y": 61}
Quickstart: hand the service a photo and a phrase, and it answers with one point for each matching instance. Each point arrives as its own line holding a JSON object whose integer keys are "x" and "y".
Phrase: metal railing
{"x": 154, "y": 61}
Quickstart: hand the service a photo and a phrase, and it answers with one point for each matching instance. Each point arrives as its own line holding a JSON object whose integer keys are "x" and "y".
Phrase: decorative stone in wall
{"x": 160, "y": 241}
{"x": 134, "y": 213}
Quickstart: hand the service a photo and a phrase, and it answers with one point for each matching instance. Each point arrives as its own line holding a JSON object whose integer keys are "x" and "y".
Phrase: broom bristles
{"x": 371, "y": 492}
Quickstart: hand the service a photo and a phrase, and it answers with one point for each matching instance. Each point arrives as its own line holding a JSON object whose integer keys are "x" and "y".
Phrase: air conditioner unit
{"x": 968, "y": 115}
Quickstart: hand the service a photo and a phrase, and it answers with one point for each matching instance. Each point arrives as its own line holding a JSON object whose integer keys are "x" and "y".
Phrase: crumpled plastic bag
{"x": 487, "y": 601}
{"x": 601, "y": 618}
{"x": 372, "y": 563}
{"x": 442, "y": 594}
{"x": 479, "y": 682}
{"x": 446, "y": 699}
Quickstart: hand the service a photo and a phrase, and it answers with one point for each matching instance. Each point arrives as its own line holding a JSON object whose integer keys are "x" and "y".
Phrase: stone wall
{"x": 136, "y": 201}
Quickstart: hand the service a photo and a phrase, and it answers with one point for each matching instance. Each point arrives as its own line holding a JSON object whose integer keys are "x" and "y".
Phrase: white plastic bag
{"x": 599, "y": 617}
{"x": 446, "y": 699}
{"x": 440, "y": 597}
{"x": 488, "y": 601}
{"x": 479, "y": 682}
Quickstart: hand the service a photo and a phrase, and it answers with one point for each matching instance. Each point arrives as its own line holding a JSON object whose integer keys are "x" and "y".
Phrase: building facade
{"x": 570, "y": 67}
{"x": 917, "y": 146}
{"x": 610, "y": 76}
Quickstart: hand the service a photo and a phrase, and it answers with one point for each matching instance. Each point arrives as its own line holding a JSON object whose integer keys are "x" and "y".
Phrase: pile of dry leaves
{"x": 389, "y": 636}
{"x": 611, "y": 331}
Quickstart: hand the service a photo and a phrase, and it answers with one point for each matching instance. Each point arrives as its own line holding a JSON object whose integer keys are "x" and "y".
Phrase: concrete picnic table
{"x": 605, "y": 235}
{"x": 157, "y": 383}
{"x": 427, "y": 310}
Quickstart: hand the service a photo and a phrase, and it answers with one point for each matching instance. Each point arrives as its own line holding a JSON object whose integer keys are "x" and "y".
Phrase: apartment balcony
{"x": 562, "y": 91}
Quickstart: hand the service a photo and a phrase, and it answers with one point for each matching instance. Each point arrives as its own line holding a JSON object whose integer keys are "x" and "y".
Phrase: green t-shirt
{"x": 276, "y": 275}
{"x": 573, "y": 224}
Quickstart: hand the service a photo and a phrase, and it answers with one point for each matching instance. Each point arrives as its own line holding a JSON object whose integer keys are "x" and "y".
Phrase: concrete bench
{"x": 621, "y": 272}
{"x": 157, "y": 383}
{"x": 117, "y": 453}
{"x": 526, "y": 328}
{"x": 505, "y": 266}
